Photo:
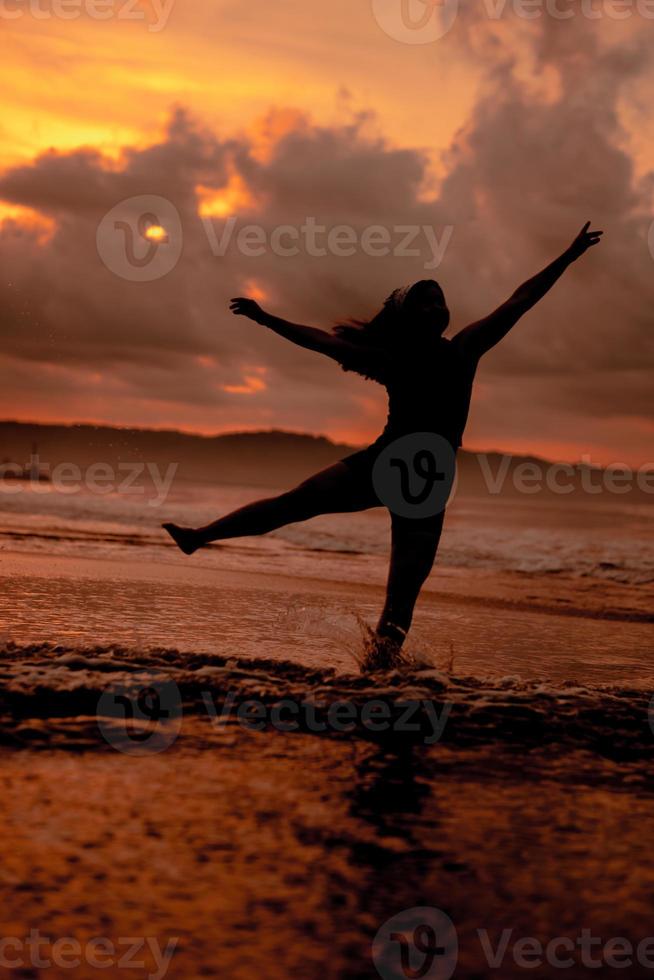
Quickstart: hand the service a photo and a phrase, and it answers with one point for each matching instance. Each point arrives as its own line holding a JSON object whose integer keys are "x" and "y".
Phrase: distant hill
{"x": 266, "y": 459}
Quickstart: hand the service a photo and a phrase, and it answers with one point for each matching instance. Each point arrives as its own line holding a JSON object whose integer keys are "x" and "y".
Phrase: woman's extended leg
{"x": 414, "y": 547}
{"x": 334, "y": 490}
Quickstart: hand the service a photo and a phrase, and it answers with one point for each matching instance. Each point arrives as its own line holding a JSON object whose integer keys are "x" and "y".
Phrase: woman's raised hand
{"x": 584, "y": 240}
{"x": 242, "y": 306}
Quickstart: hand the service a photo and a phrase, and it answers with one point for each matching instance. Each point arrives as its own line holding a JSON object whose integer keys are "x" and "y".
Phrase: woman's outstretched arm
{"x": 479, "y": 337}
{"x": 310, "y": 337}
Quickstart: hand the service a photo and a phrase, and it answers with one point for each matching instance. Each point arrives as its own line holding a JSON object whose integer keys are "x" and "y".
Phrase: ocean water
{"x": 556, "y": 590}
{"x": 607, "y": 540}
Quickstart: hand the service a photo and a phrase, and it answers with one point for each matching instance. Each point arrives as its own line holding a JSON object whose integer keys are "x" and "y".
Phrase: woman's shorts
{"x": 360, "y": 465}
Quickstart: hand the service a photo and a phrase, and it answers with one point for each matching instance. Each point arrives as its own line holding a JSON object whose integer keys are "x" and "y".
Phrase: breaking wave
{"x": 56, "y": 696}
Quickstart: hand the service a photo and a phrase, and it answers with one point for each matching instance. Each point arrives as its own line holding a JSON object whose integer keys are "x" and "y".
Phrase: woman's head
{"x": 410, "y": 314}
{"x": 421, "y": 306}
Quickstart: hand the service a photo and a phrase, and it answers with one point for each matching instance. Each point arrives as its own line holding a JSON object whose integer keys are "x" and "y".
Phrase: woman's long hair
{"x": 377, "y": 332}
{"x": 382, "y": 331}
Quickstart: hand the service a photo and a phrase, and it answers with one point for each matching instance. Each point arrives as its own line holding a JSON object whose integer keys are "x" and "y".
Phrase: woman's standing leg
{"x": 414, "y": 547}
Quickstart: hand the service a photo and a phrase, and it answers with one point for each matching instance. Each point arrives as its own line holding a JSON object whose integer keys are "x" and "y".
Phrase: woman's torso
{"x": 429, "y": 390}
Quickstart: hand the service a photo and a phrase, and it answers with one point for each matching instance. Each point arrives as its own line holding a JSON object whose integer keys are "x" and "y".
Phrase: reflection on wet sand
{"x": 271, "y": 853}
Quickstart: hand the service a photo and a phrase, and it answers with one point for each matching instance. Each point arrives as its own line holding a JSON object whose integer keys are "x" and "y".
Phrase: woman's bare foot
{"x": 186, "y": 538}
{"x": 383, "y": 651}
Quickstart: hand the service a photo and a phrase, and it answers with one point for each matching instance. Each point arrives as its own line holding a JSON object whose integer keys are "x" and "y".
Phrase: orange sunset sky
{"x": 510, "y": 132}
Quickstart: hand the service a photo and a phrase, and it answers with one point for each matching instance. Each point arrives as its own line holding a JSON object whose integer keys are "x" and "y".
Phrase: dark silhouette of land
{"x": 271, "y": 458}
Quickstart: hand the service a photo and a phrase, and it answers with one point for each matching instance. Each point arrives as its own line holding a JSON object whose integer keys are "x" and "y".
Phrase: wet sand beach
{"x": 275, "y": 852}
{"x": 141, "y": 799}
{"x": 272, "y": 855}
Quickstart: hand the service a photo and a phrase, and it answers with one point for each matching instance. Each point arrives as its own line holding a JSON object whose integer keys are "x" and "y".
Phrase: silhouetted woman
{"x": 429, "y": 383}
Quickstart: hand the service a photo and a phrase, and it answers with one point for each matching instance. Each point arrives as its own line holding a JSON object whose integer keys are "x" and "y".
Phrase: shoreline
{"x": 507, "y": 590}
{"x": 511, "y": 626}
